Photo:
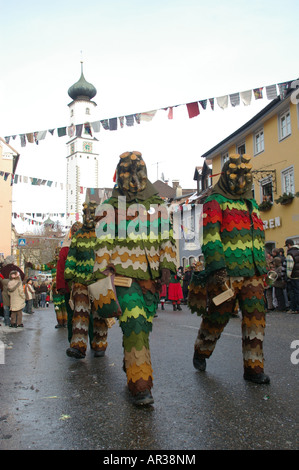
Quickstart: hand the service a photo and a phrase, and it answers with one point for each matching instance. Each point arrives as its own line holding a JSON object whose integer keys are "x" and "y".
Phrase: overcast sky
{"x": 140, "y": 56}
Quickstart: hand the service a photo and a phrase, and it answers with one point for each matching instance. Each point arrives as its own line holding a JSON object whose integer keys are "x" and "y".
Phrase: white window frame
{"x": 258, "y": 150}
{"x": 284, "y": 116}
{"x": 224, "y": 158}
{"x": 238, "y": 146}
{"x": 264, "y": 182}
{"x": 284, "y": 174}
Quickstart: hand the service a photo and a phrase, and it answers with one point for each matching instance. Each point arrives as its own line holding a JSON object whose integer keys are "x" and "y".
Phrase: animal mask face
{"x": 131, "y": 172}
{"x": 238, "y": 174}
{"x": 89, "y": 210}
{"x": 75, "y": 227}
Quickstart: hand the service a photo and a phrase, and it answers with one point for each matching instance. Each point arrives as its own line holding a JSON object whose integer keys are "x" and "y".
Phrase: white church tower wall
{"x": 82, "y": 148}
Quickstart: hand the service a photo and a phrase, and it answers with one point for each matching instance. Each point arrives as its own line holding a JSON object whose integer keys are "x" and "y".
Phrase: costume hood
{"x": 235, "y": 181}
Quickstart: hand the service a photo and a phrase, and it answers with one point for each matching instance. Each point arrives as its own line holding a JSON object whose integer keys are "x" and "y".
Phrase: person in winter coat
{"x": 175, "y": 293}
{"x": 279, "y": 284}
{"x": 17, "y": 298}
{"x": 58, "y": 299}
{"x": 292, "y": 271}
{"x": 43, "y": 294}
{"x": 186, "y": 281}
{"x": 29, "y": 295}
{"x": 5, "y": 299}
{"x": 268, "y": 289}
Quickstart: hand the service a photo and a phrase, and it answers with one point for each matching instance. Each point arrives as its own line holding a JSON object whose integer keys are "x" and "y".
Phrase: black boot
{"x": 73, "y": 352}
{"x": 99, "y": 353}
{"x": 179, "y": 307}
{"x": 162, "y": 307}
{"x": 199, "y": 362}
{"x": 174, "y": 307}
{"x": 143, "y": 398}
{"x": 260, "y": 378}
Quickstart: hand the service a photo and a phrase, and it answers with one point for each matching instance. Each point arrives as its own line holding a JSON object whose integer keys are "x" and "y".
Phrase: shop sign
{"x": 272, "y": 223}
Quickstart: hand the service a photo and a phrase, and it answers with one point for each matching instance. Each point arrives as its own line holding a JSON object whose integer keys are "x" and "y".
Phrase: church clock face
{"x": 87, "y": 146}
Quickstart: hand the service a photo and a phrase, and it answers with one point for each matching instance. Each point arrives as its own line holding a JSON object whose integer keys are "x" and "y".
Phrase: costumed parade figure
{"x": 58, "y": 299}
{"x": 141, "y": 248}
{"x": 61, "y": 284}
{"x": 233, "y": 248}
{"x": 79, "y": 273}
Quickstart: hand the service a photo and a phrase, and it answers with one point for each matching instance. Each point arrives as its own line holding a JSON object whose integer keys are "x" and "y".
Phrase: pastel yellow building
{"x": 271, "y": 137}
{"x": 8, "y": 162}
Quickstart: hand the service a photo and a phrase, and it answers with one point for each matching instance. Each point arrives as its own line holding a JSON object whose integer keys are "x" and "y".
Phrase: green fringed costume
{"x": 234, "y": 252}
{"x": 79, "y": 273}
{"x": 136, "y": 238}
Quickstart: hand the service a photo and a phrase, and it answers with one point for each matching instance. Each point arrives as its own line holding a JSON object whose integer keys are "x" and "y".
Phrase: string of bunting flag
{"x": 193, "y": 110}
{"x": 30, "y": 217}
{"x": 15, "y": 178}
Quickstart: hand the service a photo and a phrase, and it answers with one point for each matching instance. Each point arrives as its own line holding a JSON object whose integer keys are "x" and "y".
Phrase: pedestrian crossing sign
{"x": 22, "y": 242}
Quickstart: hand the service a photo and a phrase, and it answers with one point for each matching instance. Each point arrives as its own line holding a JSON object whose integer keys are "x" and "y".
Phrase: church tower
{"x": 82, "y": 157}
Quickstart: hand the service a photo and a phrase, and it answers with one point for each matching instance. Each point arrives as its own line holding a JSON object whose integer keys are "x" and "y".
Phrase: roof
{"x": 49, "y": 222}
{"x": 82, "y": 89}
{"x": 164, "y": 189}
{"x": 199, "y": 170}
{"x": 249, "y": 126}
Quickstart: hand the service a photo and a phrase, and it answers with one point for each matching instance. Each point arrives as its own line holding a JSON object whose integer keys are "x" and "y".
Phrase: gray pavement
{"x": 50, "y": 401}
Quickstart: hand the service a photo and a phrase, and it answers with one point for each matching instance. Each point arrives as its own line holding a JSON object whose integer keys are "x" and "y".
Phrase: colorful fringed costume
{"x": 79, "y": 273}
{"x": 136, "y": 238}
{"x": 61, "y": 284}
{"x": 233, "y": 248}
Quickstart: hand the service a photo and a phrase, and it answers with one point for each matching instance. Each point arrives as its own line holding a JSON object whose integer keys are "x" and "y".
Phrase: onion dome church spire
{"x": 82, "y": 89}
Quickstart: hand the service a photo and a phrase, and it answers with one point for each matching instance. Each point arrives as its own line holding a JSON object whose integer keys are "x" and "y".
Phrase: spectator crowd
{"x": 19, "y": 295}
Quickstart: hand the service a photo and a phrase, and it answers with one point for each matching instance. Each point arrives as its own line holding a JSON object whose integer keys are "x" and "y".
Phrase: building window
{"x": 284, "y": 125}
{"x": 259, "y": 142}
{"x": 224, "y": 158}
{"x": 269, "y": 246}
{"x": 241, "y": 149}
{"x": 287, "y": 181}
{"x": 267, "y": 189}
{"x": 87, "y": 111}
{"x": 191, "y": 260}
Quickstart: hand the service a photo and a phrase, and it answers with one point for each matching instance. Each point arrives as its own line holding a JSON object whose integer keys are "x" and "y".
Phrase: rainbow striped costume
{"x": 233, "y": 238}
{"x": 140, "y": 258}
{"x": 79, "y": 273}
